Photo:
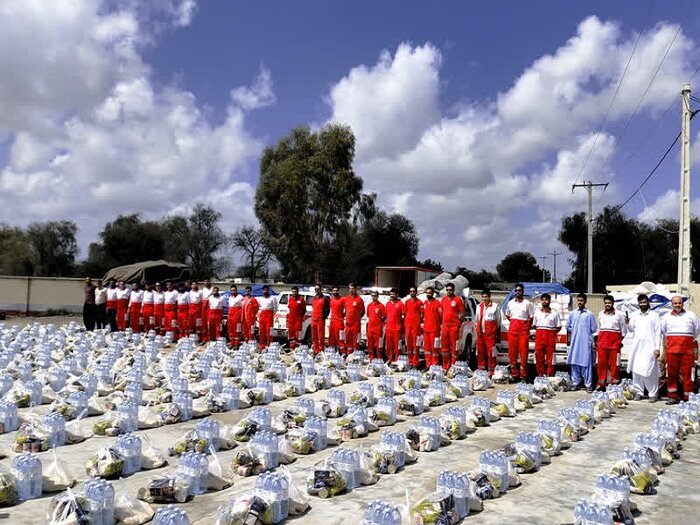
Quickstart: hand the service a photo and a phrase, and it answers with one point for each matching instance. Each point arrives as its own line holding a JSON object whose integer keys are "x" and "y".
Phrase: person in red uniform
{"x": 215, "y": 314}
{"x": 135, "y": 305}
{"x": 235, "y": 317}
{"x": 266, "y": 315}
{"x": 183, "y": 311}
{"x": 196, "y": 309}
{"x": 412, "y": 321}
{"x": 519, "y": 312}
{"x": 122, "y": 306}
{"x": 295, "y": 316}
{"x": 250, "y": 314}
{"x": 112, "y": 306}
{"x": 432, "y": 323}
{"x": 320, "y": 308}
{"x": 354, "y": 310}
{"x": 488, "y": 324}
{"x": 612, "y": 327}
{"x": 158, "y": 309}
{"x": 376, "y": 315}
{"x": 452, "y": 314}
{"x": 206, "y": 293}
{"x": 149, "y": 320}
{"x": 680, "y": 328}
{"x": 337, "y": 323}
{"x": 547, "y": 325}
{"x": 170, "y": 309}
{"x": 395, "y": 311}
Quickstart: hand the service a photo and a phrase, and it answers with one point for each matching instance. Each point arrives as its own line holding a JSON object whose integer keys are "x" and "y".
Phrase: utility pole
{"x": 544, "y": 272}
{"x": 589, "y": 185}
{"x": 553, "y": 277}
{"x": 684, "y": 220}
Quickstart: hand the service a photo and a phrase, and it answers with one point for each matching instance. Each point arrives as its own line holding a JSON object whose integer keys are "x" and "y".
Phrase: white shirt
{"x": 196, "y": 296}
{"x": 100, "y": 295}
{"x": 646, "y": 338}
{"x": 523, "y": 310}
{"x": 148, "y": 297}
{"x": 158, "y": 297}
{"x": 216, "y": 303}
{"x": 111, "y": 294}
{"x": 547, "y": 320}
{"x": 206, "y": 292}
{"x": 235, "y": 301}
{"x": 267, "y": 303}
{"x": 122, "y": 294}
{"x": 183, "y": 298}
{"x": 135, "y": 297}
{"x": 683, "y": 324}
{"x": 170, "y": 297}
{"x": 614, "y": 322}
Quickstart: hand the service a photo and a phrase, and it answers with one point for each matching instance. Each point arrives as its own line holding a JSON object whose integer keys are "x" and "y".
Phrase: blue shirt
{"x": 581, "y": 324}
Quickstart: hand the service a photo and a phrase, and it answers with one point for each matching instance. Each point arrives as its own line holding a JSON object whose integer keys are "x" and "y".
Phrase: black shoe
{"x": 600, "y": 388}
{"x": 652, "y": 400}
{"x": 589, "y": 389}
{"x": 672, "y": 401}
{"x": 575, "y": 388}
{"x": 514, "y": 380}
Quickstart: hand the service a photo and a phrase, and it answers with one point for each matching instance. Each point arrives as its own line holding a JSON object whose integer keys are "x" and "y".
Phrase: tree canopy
{"x": 520, "y": 266}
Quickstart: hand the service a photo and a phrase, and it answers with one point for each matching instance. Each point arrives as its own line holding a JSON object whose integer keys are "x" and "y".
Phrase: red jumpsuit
{"x": 295, "y": 319}
{"x": 158, "y": 312}
{"x": 354, "y": 310}
{"x": 611, "y": 330}
{"x": 452, "y": 311}
{"x": 266, "y": 315}
{"x": 183, "y": 314}
{"x": 376, "y": 314}
{"x": 547, "y": 326}
{"x": 318, "y": 323}
{"x": 170, "y": 312}
{"x": 395, "y": 311}
{"x": 520, "y": 314}
{"x": 195, "y": 314}
{"x": 206, "y": 293}
{"x": 432, "y": 322}
{"x": 147, "y": 311}
{"x": 122, "y": 307}
{"x": 250, "y": 314}
{"x": 235, "y": 319}
{"x": 680, "y": 330}
{"x": 412, "y": 320}
{"x": 215, "y": 313}
{"x": 487, "y": 327}
{"x": 337, "y": 322}
{"x": 135, "y": 302}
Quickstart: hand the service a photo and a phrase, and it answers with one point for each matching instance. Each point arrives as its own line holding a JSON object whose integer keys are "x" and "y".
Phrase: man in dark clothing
{"x": 89, "y": 308}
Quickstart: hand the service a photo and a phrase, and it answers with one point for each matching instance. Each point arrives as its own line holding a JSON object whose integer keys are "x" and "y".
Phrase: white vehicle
{"x": 279, "y": 322}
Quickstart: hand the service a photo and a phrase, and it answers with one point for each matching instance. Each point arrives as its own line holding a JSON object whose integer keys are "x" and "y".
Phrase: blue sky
{"x": 472, "y": 119}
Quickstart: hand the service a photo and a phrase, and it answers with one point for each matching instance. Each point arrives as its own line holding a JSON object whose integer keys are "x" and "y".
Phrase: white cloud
{"x": 259, "y": 95}
{"x": 666, "y": 206}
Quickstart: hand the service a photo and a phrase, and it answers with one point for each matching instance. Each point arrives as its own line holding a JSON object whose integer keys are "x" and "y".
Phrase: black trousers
{"x": 89, "y": 316}
{"x": 112, "y": 320}
{"x": 101, "y": 320}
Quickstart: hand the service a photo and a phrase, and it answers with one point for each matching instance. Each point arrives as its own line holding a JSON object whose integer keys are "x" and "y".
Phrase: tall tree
{"x": 251, "y": 244}
{"x": 307, "y": 196}
{"x": 206, "y": 239}
{"x": 176, "y": 241}
{"x": 520, "y": 266}
{"x": 53, "y": 247}
{"x": 15, "y": 253}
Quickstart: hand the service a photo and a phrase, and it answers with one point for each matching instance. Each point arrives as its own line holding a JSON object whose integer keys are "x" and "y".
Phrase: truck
{"x": 402, "y": 277}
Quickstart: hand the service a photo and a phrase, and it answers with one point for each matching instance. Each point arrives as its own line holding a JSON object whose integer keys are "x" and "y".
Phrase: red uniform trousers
{"x": 264, "y": 326}
{"x": 135, "y": 317}
{"x": 148, "y": 318}
{"x": 122, "y": 307}
{"x": 352, "y": 333}
{"x": 293, "y": 331}
{"x": 235, "y": 315}
{"x": 205, "y": 319}
{"x": 432, "y": 354}
{"x": 448, "y": 344}
{"x": 374, "y": 342}
{"x": 680, "y": 359}
{"x": 391, "y": 344}
{"x": 608, "y": 349}
{"x": 170, "y": 318}
{"x": 485, "y": 344}
{"x": 195, "y": 319}
{"x": 158, "y": 318}
{"x": 183, "y": 320}
{"x": 248, "y": 330}
{"x": 545, "y": 344}
{"x": 335, "y": 327}
{"x": 318, "y": 335}
{"x": 214, "y": 317}
{"x": 518, "y": 336}
{"x": 412, "y": 333}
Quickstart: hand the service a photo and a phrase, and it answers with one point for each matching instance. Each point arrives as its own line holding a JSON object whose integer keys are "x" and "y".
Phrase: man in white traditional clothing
{"x": 646, "y": 348}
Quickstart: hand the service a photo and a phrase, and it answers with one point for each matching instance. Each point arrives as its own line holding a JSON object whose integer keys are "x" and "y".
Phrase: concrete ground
{"x": 545, "y": 497}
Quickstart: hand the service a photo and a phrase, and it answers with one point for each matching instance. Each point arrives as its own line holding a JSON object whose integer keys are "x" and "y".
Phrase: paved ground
{"x": 546, "y": 497}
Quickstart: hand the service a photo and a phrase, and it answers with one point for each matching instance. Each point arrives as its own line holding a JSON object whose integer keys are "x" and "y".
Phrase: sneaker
{"x": 672, "y": 401}
{"x": 652, "y": 400}
{"x": 589, "y": 389}
{"x": 637, "y": 397}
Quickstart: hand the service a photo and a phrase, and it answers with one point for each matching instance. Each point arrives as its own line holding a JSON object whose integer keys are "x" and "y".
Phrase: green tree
{"x": 251, "y": 244}
{"x": 176, "y": 240}
{"x": 206, "y": 239}
{"x": 53, "y": 247}
{"x": 519, "y": 267}
{"x": 307, "y": 197}
{"x": 15, "y": 252}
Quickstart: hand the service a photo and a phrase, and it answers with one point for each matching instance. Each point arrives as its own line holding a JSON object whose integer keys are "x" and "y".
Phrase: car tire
{"x": 470, "y": 353}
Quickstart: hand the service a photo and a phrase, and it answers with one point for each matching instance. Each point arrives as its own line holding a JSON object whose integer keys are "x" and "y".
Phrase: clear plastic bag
{"x": 152, "y": 456}
{"x": 298, "y": 500}
{"x": 218, "y": 479}
{"x": 67, "y": 508}
{"x": 55, "y": 476}
{"x": 129, "y": 510}
{"x": 149, "y": 417}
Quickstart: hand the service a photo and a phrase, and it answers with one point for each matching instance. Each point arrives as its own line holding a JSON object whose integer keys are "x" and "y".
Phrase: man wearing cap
{"x": 680, "y": 328}
{"x": 645, "y": 327}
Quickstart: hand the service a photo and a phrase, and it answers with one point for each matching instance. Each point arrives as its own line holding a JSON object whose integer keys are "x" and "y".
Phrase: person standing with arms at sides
{"x": 432, "y": 324}
{"x": 581, "y": 325}
{"x": 645, "y": 328}
{"x": 170, "y": 298}
{"x": 547, "y": 325}
{"x": 680, "y": 328}
{"x": 112, "y": 305}
{"x": 147, "y": 310}
{"x": 488, "y": 324}
{"x": 135, "y": 305}
{"x": 295, "y": 316}
{"x": 612, "y": 327}
{"x": 354, "y": 310}
{"x": 89, "y": 305}
{"x": 452, "y": 315}
{"x": 195, "y": 311}
{"x": 122, "y": 306}
{"x": 519, "y": 312}
{"x": 183, "y": 311}
{"x": 337, "y": 322}
{"x": 266, "y": 314}
{"x": 100, "y": 306}
{"x": 216, "y": 314}
{"x": 158, "y": 309}
{"x": 376, "y": 315}
{"x": 207, "y": 290}
{"x": 395, "y": 311}
{"x": 250, "y": 314}
{"x": 320, "y": 308}
{"x": 412, "y": 320}
{"x": 235, "y": 317}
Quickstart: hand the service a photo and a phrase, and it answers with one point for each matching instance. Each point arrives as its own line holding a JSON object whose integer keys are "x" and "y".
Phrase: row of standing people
{"x": 595, "y": 341}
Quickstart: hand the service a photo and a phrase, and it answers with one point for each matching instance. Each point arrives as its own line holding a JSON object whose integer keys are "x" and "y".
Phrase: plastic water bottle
{"x": 129, "y": 447}
{"x": 26, "y": 468}
{"x": 57, "y": 379}
{"x": 100, "y": 496}
{"x": 262, "y": 417}
{"x": 264, "y": 443}
{"x": 134, "y": 392}
{"x": 208, "y": 429}
{"x": 394, "y": 442}
{"x": 358, "y": 414}
{"x": 526, "y": 390}
{"x": 531, "y": 443}
{"x": 507, "y": 398}
{"x": 306, "y": 406}
{"x": 36, "y": 392}
{"x": 429, "y": 427}
{"x": 319, "y": 426}
{"x": 415, "y": 397}
{"x": 367, "y": 390}
{"x": 231, "y": 396}
{"x": 184, "y": 402}
{"x": 336, "y": 400}
{"x": 484, "y": 405}
{"x": 354, "y": 373}
{"x": 461, "y": 368}
{"x": 129, "y": 412}
{"x": 249, "y": 377}
{"x": 8, "y": 416}
{"x": 454, "y": 483}
{"x": 347, "y": 461}
{"x": 179, "y": 384}
{"x": 55, "y": 426}
{"x": 459, "y": 413}
{"x": 462, "y": 383}
{"x": 89, "y": 383}
{"x": 436, "y": 372}
{"x": 170, "y": 515}
{"x": 586, "y": 408}
{"x": 266, "y": 386}
{"x": 389, "y": 406}
{"x": 24, "y": 371}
